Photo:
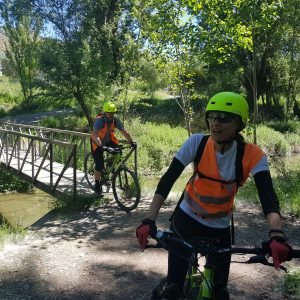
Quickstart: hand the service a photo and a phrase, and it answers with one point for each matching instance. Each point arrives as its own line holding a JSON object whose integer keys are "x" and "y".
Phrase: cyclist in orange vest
{"x": 206, "y": 205}
{"x": 103, "y": 134}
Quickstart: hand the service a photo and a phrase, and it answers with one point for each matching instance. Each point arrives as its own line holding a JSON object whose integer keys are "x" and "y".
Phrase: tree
{"x": 81, "y": 57}
{"x": 240, "y": 30}
{"x": 165, "y": 26}
{"x": 22, "y": 28}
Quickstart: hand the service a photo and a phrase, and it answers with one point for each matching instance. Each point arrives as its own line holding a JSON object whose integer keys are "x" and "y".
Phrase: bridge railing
{"x": 30, "y": 155}
{"x": 81, "y": 139}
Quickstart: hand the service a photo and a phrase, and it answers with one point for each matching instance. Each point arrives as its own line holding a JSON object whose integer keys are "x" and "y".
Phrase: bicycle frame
{"x": 201, "y": 281}
{"x": 117, "y": 161}
{"x": 200, "y": 284}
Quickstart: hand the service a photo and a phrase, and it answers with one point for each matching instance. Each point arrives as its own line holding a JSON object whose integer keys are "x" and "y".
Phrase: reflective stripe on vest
{"x": 209, "y": 196}
{"x": 102, "y": 132}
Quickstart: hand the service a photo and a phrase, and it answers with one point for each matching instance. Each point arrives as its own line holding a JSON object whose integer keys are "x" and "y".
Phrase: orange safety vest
{"x": 208, "y": 195}
{"x": 102, "y": 132}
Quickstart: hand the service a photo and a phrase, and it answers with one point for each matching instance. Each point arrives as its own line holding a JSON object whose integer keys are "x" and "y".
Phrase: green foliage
{"x": 149, "y": 78}
{"x": 10, "y": 182}
{"x": 10, "y": 88}
{"x": 288, "y": 190}
{"x": 272, "y": 142}
{"x": 159, "y": 111}
{"x": 293, "y": 140}
{"x": 9, "y": 232}
{"x": 72, "y": 122}
{"x": 286, "y": 184}
{"x": 286, "y": 126}
{"x": 157, "y": 143}
{"x": 67, "y": 203}
{"x": 10, "y": 95}
{"x": 22, "y": 29}
{"x": 291, "y": 283}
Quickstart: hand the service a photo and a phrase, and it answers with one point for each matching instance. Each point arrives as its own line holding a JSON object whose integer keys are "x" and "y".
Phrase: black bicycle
{"x": 199, "y": 281}
{"x": 117, "y": 176}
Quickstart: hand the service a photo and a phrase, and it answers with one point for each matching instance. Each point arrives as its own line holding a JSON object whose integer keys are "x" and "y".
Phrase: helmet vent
{"x": 229, "y": 103}
{"x": 213, "y": 102}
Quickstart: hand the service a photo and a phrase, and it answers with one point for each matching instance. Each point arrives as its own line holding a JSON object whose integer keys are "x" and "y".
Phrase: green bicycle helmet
{"x": 109, "y": 107}
{"x": 230, "y": 102}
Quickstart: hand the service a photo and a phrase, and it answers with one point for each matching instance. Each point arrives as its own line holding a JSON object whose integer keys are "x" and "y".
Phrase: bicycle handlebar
{"x": 205, "y": 246}
{"x": 115, "y": 150}
{"x": 112, "y": 150}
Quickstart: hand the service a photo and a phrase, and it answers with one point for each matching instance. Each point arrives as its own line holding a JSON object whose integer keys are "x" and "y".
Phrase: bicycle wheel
{"x": 126, "y": 189}
{"x": 89, "y": 167}
{"x": 156, "y": 293}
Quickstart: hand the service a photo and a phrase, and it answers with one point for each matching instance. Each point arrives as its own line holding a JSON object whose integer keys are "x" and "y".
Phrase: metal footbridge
{"x": 48, "y": 158}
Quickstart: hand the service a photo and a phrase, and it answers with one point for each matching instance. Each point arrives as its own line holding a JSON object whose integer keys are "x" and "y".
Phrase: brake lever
{"x": 261, "y": 259}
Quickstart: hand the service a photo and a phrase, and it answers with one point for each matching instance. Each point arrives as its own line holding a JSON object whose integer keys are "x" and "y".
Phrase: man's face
{"x": 223, "y": 126}
{"x": 109, "y": 116}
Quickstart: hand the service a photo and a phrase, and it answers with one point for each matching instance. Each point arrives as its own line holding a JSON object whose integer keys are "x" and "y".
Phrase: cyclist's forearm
{"x": 155, "y": 206}
{"x": 127, "y": 136}
{"x": 96, "y": 139}
{"x": 267, "y": 195}
{"x": 275, "y": 222}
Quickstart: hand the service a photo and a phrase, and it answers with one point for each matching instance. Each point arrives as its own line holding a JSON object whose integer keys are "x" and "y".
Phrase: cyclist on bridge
{"x": 103, "y": 134}
{"x": 221, "y": 164}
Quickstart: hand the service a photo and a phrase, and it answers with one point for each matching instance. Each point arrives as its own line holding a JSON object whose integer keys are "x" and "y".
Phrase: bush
{"x": 272, "y": 142}
{"x": 9, "y": 182}
{"x": 290, "y": 126}
{"x": 291, "y": 283}
{"x": 157, "y": 144}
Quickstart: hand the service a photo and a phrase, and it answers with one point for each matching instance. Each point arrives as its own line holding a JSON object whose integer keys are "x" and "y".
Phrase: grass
{"x": 8, "y": 232}
{"x": 291, "y": 283}
{"x": 66, "y": 203}
{"x": 10, "y": 87}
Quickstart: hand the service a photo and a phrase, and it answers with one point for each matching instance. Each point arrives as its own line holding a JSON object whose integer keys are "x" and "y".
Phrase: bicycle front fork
{"x": 206, "y": 287}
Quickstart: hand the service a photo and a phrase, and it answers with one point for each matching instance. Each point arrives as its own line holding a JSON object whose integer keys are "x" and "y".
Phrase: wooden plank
{"x": 65, "y": 184}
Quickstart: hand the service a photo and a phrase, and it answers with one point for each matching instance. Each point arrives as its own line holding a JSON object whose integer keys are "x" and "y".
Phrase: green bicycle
{"x": 199, "y": 281}
{"x": 117, "y": 176}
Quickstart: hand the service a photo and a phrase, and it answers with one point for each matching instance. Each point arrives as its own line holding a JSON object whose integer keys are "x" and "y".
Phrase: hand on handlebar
{"x": 133, "y": 145}
{"x": 279, "y": 249}
{"x": 145, "y": 229}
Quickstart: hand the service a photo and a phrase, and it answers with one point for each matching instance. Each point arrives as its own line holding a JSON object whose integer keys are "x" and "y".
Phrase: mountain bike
{"x": 199, "y": 283}
{"x": 116, "y": 176}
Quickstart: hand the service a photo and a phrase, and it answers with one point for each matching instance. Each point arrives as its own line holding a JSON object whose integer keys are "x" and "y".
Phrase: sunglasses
{"x": 221, "y": 117}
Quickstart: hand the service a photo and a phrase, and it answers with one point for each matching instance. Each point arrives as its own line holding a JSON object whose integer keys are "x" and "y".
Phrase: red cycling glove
{"x": 280, "y": 250}
{"x": 147, "y": 228}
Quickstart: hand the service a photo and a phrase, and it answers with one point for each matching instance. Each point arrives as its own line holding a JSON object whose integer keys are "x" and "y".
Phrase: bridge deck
{"x": 65, "y": 185}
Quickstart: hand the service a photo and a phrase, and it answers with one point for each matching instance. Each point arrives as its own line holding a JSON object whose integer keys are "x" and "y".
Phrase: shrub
{"x": 291, "y": 126}
{"x": 272, "y": 142}
{"x": 9, "y": 182}
{"x": 291, "y": 283}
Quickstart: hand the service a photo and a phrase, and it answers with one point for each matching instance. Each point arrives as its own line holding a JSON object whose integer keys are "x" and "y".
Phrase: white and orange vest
{"x": 213, "y": 197}
{"x": 111, "y": 127}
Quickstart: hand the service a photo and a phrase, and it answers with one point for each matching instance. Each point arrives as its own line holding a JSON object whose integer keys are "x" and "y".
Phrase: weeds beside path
{"x": 94, "y": 255}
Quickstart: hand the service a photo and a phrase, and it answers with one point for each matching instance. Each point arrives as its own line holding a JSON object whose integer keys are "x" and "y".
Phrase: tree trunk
{"x": 79, "y": 97}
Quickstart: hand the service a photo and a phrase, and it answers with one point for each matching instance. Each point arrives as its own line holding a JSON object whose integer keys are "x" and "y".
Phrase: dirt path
{"x": 94, "y": 255}
{"x": 34, "y": 118}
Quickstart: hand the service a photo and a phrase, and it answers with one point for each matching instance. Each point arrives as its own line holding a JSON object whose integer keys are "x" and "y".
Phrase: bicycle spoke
{"x": 126, "y": 189}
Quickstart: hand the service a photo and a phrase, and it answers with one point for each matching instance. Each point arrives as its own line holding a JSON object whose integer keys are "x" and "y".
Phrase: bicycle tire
{"x": 126, "y": 189}
{"x": 156, "y": 293}
{"x": 89, "y": 167}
